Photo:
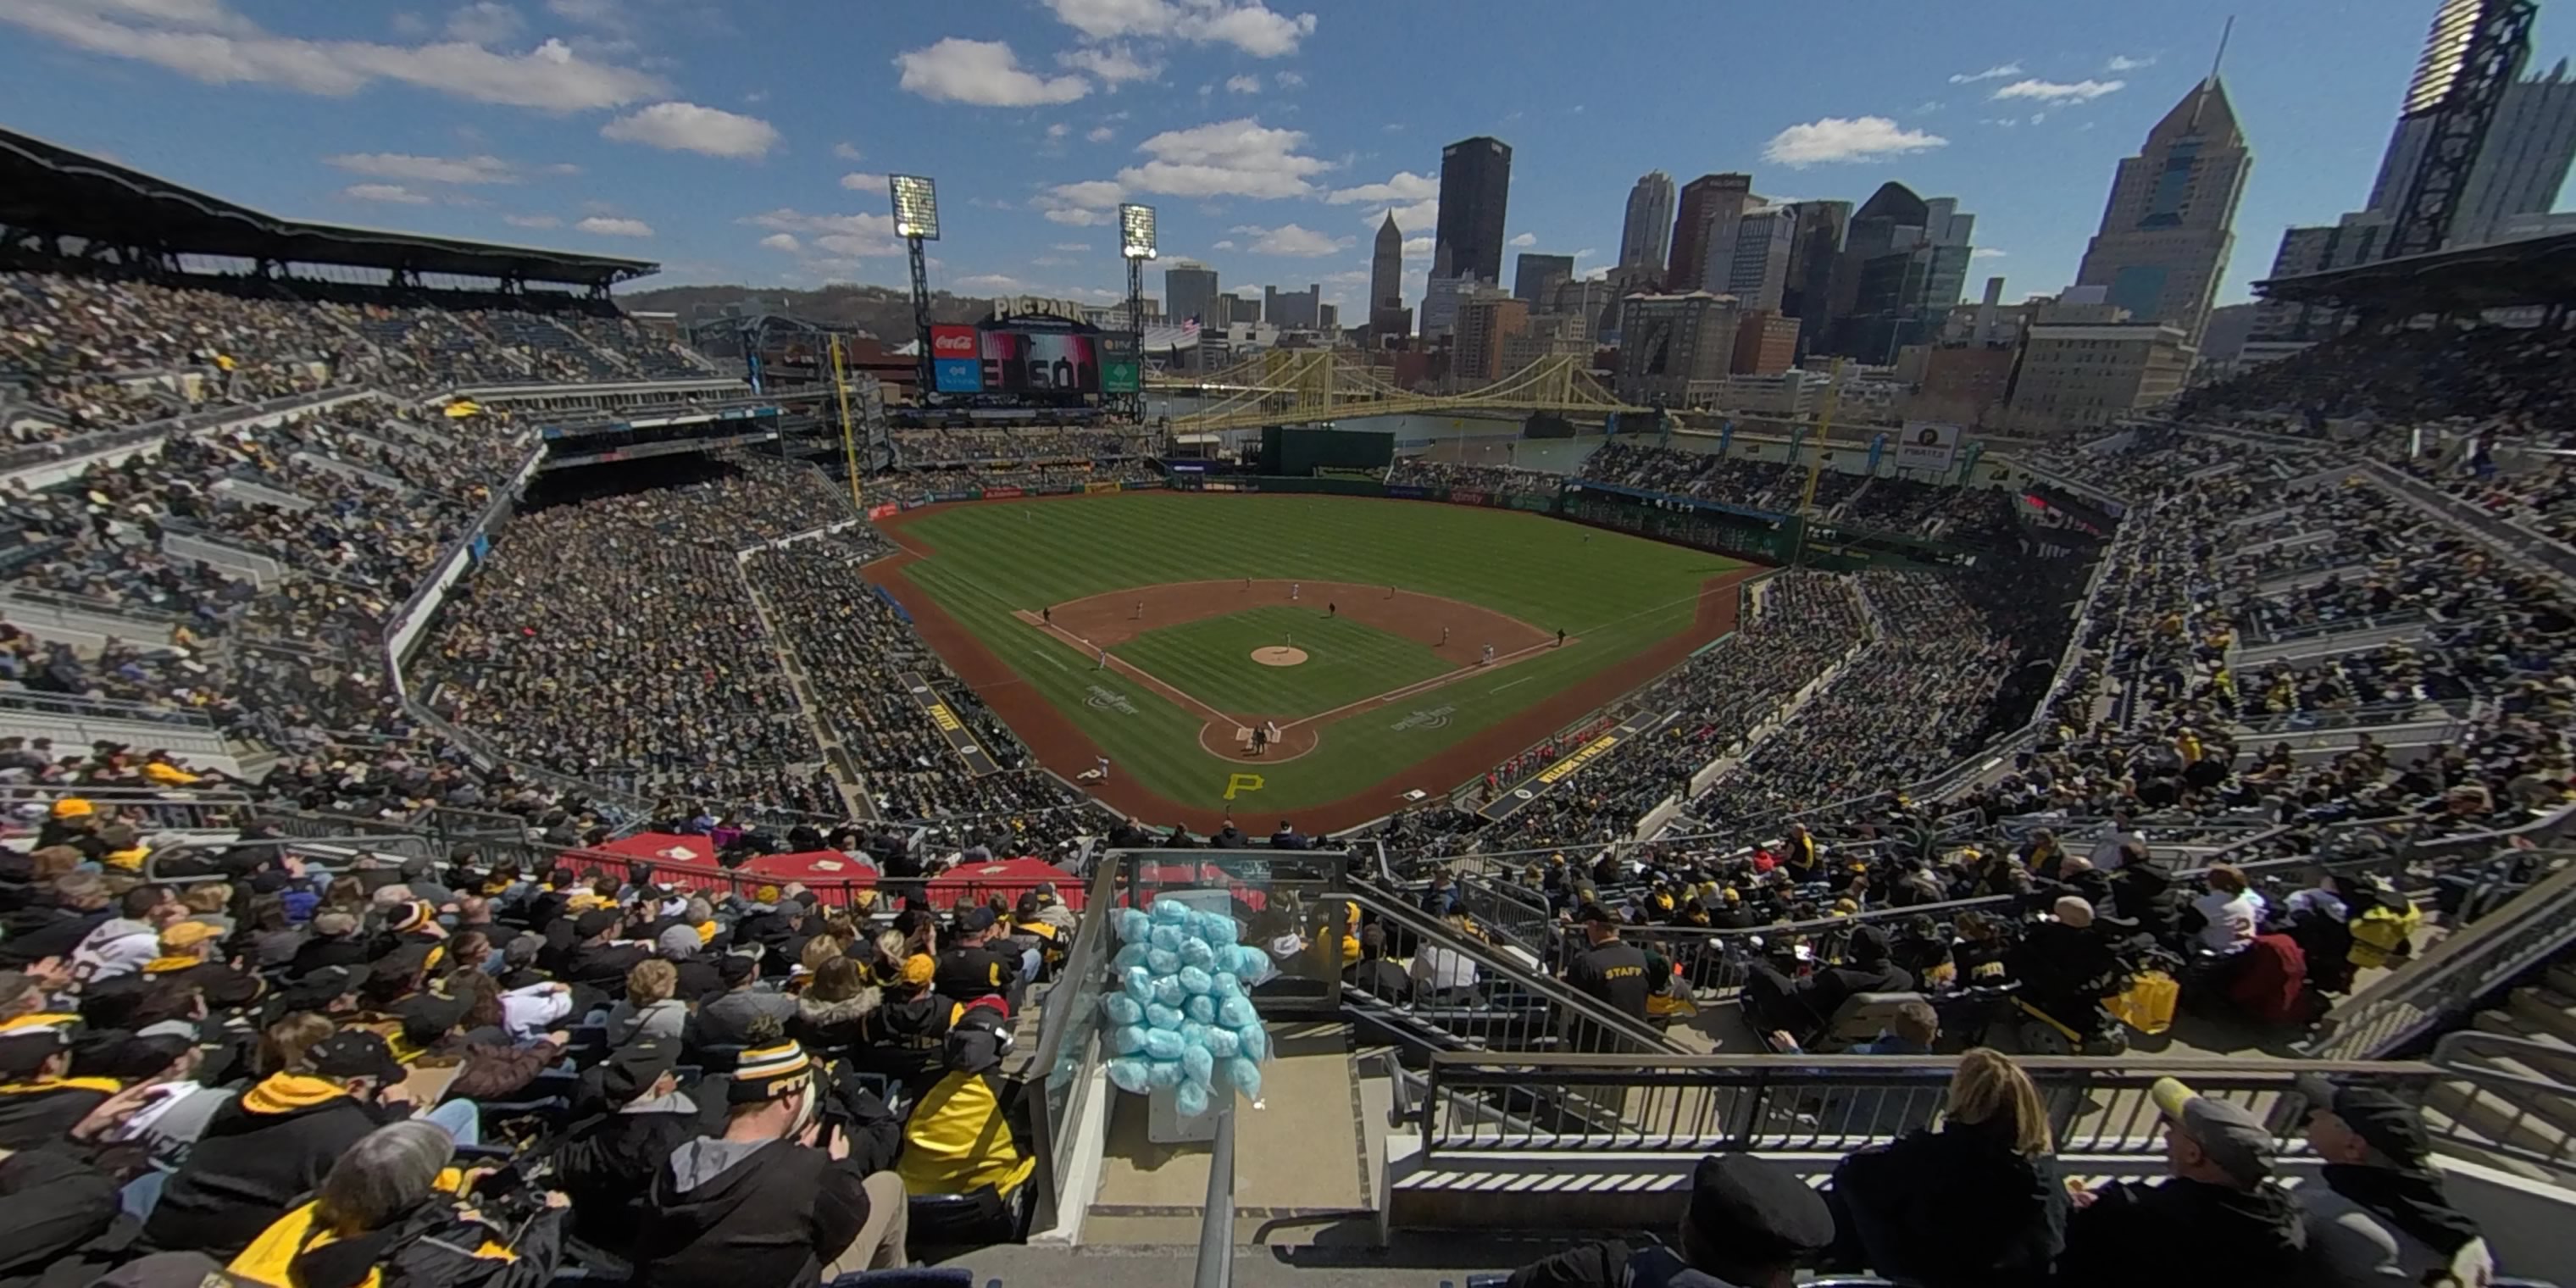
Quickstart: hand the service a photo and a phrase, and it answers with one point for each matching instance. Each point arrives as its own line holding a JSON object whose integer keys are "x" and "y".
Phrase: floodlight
{"x": 916, "y": 206}
{"x": 1135, "y": 231}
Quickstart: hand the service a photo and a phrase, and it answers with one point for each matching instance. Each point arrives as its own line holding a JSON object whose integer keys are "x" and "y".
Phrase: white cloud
{"x": 783, "y": 241}
{"x": 984, "y": 73}
{"x": 2124, "y": 63}
{"x": 847, "y": 151}
{"x": 1419, "y": 247}
{"x": 391, "y": 193}
{"x": 1291, "y": 80}
{"x": 1404, "y": 186}
{"x": 1097, "y": 194}
{"x": 1075, "y": 217}
{"x": 605, "y": 226}
{"x": 1525, "y": 239}
{"x": 1246, "y": 84}
{"x": 1101, "y": 134}
{"x": 1072, "y": 248}
{"x": 847, "y": 236}
{"x": 687, "y": 127}
{"x": 205, "y": 41}
{"x": 403, "y": 165}
{"x": 1987, "y": 252}
{"x": 532, "y": 221}
{"x": 1058, "y": 130}
{"x": 997, "y": 283}
{"x": 862, "y": 181}
{"x": 1238, "y": 158}
{"x": 1227, "y": 244}
{"x": 1835, "y": 138}
{"x": 2083, "y": 91}
{"x": 1289, "y": 239}
{"x": 1416, "y": 215}
{"x": 1248, "y": 25}
{"x": 485, "y": 23}
{"x": 1996, "y": 72}
{"x": 1115, "y": 65}
{"x": 1586, "y": 253}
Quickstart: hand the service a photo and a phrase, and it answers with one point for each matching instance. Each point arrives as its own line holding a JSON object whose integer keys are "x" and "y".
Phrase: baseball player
{"x": 1489, "y": 656}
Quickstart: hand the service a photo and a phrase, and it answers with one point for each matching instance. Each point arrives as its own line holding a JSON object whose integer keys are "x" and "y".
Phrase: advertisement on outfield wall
{"x": 1000, "y": 493}
{"x": 1120, "y": 371}
{"x": 1411, "y": 492}
{"x": 1926, "y": 445}
{"x": 885, "y": 511}
{"x": 1089, "y": 488}
{"x": 956, "y": 360}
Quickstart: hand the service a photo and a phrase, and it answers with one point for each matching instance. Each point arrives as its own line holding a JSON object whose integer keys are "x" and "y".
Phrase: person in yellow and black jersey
{"x": 973, "y": 965}
{"x": 1609, "y": 968}
{"x": 393, "y": 1214}
{"x": 39, "y": 1099}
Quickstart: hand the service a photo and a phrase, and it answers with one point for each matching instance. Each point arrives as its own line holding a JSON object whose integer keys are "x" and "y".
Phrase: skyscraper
{"x": 1709, "y": 207}
{"x": 1386, "y": 280}
{"x": 1904, "y": 263}
{"x": 1292, "y": 310}
{"x": 1757, "y": 269}
{"x": 1187, "y": 287}
{"x": 1808, "y": 293}
{"x": 1475, "y": 186}
{"x": 2169, "y": 224}
{"x": 2525, "y": 160}
{"x": 1534, "y": 277}
{"x": 1648, "y": 232}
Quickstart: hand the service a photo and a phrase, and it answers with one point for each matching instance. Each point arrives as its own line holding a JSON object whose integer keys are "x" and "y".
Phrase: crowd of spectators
{"x": 920, "y": 487}
{"x": 611, "y": 640}
{"x": 2499, "y": 378}
{"x": 1496, "y": 480}
{"x": 931, "y": 448}
{"x": 248, "y": 1068}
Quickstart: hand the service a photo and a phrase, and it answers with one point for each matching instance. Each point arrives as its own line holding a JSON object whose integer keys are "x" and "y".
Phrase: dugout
{"x": 1298, "y": 451}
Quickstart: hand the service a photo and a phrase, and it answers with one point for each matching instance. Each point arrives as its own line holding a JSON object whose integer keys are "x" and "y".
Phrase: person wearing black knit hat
{"x": 1799, "y": 1007}
{"x": 760, "y": 1206}
{"x": 2381, "y": 1213}
{"x": 1750, "y": 1222}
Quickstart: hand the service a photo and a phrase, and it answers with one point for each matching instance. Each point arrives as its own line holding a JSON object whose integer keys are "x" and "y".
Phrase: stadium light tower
{"x": 916, "y": 220}
{"x": 1135, "y": 245}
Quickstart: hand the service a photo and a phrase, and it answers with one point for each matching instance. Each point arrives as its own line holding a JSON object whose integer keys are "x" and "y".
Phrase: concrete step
{"x": 2493, "y": 1116}
{"x": 2556, "y": 1109}
{"x": 2559, "y": 1066}
{"x": 2543, "y": 1010}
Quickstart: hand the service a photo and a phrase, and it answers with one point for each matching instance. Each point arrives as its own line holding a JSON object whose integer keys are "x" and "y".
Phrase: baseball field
{"x": 1302, "y": 657}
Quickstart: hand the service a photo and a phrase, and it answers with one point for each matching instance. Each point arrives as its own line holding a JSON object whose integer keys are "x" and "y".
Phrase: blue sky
{"x": 746, "y": 142}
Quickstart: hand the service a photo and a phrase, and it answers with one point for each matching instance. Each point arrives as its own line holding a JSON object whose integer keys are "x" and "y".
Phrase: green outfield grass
{"x": 1211, "y": 660}
{"x": 1618, "y": 594}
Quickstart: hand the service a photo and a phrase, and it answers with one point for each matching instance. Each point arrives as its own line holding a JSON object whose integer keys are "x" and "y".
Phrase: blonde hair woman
{"x": 1975, "y": 1204}
{"x": 649, "y": 1010}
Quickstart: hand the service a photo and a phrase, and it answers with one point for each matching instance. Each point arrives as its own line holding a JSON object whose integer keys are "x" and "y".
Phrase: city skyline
{"x": 692, "y": 137}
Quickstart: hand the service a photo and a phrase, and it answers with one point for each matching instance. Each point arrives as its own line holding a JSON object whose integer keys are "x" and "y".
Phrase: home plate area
{"x": 1469, "y": 638}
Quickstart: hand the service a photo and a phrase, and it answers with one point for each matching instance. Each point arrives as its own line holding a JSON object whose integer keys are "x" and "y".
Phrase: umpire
{"x": 1609, "y": 970}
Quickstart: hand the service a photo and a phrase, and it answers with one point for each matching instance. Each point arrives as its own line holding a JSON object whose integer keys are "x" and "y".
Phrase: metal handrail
{"x": 1719, "y": 1103}
{"x": 1564, "y": 1008}
{"x": 1216, "y": 1223}
{"x": 1068, "y": 1045}
{"x": 2542, "y": 1098}
{"x": 2448, "y": 980}
{"x": 57, "y": 704}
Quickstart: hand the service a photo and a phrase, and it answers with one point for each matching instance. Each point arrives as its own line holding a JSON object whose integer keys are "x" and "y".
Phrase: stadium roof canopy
{"x": 51, "y": 189}
{"x": 2534, "y": 271}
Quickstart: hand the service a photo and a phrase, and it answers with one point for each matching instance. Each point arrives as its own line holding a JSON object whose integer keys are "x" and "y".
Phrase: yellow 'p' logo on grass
{"x": 1241, "y": 783}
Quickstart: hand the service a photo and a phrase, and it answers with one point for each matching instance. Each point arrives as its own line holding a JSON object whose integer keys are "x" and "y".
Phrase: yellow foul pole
{"x": 850, "y": 446}
{"x": 1824, "y": 434}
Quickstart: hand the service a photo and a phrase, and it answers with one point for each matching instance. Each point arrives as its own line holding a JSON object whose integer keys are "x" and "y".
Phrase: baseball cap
{"x": 2233, "y": 1138}
{"x": 2392, "y": 1126}
{"x": 632, "y": 1069}
{"x": 72, "y": 807}
{"x": 317, "y": 989}
{"x": 733, "y": 968}
{"x": 1756, "y": 1209}
{"x": 974, "y": 919}
{"x": 1595, "y": 912}
{"x": 919, "y": 969}
{"x": 356, "y": 1053}
{"x": 597, "y": 921}
{"x": 24, "y": 1050}
{"x": 186, "y": 935}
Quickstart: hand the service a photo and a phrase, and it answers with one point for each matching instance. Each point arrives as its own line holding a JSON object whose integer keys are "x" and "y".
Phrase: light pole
{"x": 1135, "y": 245}
{"x": 916, "y": 220}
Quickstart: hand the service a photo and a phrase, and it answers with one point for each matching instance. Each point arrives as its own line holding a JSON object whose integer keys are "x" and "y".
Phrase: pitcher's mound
{"x": 1279, "y": 655}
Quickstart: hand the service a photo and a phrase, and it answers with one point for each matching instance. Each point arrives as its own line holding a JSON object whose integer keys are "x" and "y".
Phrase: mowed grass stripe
{"x": 1211, "y": 660}
{"x": 1618, "y": 593}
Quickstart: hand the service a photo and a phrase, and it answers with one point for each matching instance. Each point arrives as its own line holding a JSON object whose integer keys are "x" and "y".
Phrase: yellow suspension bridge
{"x": 1284, "y": 386}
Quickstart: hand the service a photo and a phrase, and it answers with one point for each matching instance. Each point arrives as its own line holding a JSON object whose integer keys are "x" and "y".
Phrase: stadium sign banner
{"x": 885, "y": 511}
{"x": 1668, "y": 501}
{"x": 1533, "y": 504}
{"x": 1052, "y": 489}
{"x": 970, "y": 494}
{"x": 1002, "y": 493}
{"x": 1469, "y": 496}
{"x": 956, "y": 360}
{"x": 1098, "y": 485}
{"x": 1522, "y": 794}
{"x": 1926, "y": 445}
{"x": 1414, "y": 492}
{"x": 1139, "y": 485}
{"x": 979, "y": 762}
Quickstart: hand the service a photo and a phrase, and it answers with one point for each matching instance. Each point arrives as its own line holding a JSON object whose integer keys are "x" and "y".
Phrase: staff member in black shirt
{"x": 1608, "y": 969}
{"x": 971, "y": 967}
